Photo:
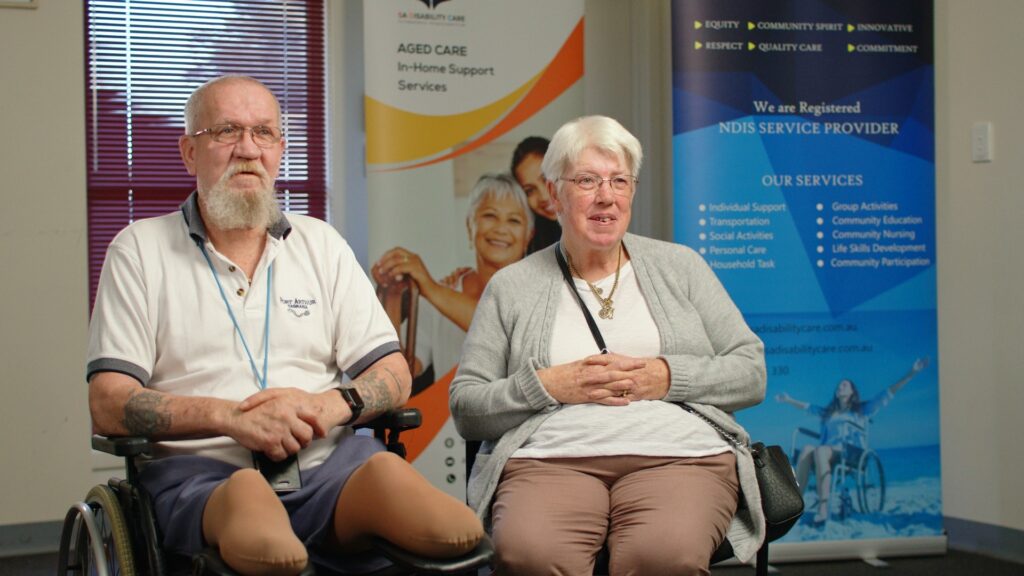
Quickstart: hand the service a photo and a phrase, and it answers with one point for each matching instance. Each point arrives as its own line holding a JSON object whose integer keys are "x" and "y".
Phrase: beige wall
{"x": 980, "y": 207}
{"x": 43, "y": 301}
{"x": 43, "y": 294}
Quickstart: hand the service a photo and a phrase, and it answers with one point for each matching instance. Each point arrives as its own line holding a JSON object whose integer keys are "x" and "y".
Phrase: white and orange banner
{"x": 453, "y": 88}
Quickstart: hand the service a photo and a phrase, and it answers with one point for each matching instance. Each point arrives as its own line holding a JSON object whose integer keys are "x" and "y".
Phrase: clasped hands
{"x": 398, "y": 265}
{"x": 281, "y": 421}
{"x": 610, "y": 379}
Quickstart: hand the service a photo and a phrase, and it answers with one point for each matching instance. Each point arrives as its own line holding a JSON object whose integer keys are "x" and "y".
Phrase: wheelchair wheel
{"x": 870, "y": 483}
{"x": 111, "y": 533}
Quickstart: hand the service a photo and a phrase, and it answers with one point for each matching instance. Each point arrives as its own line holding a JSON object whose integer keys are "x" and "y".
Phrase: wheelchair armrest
{"x": 124, "y": 446}
{"x": 810, "y": 433}
{"x": 398, "y": 420}
{"x": 388, "y": 427}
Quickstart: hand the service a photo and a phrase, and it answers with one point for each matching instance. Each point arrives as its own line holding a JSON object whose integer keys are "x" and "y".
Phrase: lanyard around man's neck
{"x": 262, "y": 379}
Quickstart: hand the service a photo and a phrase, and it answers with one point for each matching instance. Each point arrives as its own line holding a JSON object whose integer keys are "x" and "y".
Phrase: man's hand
{"x": 282, "y": 421}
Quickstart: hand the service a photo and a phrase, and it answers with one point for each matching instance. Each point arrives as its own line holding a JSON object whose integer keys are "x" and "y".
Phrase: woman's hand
{"x": 610, "y": 379}
{"x": 920, "y": 364}
{"x": 452, "y": 280}
{"x": 398, "y": 264}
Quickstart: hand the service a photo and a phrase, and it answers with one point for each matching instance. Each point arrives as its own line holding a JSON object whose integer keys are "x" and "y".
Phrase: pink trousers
{"x": 657, "y": 515}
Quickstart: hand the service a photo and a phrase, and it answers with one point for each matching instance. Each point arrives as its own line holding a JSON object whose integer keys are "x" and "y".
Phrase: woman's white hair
{"x": 498, "y": 187}
{"x": 599, "y": 133}
{"x": 195, "y": 103}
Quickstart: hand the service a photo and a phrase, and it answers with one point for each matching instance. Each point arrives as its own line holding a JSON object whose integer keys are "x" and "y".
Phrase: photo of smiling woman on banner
{"x": 500, "y": 224}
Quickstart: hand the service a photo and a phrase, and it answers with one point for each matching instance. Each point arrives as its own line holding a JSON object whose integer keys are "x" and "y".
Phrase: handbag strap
{"x": 572, "y": 288}
{"x": 729, "y": 436}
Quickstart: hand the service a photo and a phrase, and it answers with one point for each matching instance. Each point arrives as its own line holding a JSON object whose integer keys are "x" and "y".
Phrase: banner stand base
{"x": 870, "y": 551}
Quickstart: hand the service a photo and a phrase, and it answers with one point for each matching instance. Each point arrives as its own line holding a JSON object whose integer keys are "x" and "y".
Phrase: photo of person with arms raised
{"x": 843, "y": 420}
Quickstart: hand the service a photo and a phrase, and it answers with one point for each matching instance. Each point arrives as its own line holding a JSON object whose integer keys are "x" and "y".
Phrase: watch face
{"x": 355, "y": 401}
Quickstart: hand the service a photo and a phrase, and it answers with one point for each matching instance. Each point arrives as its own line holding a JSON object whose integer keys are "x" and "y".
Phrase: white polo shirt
{"x": 160, "y": 318}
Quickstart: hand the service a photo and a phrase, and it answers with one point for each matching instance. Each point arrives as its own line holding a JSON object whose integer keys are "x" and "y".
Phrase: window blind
{"x": 144, "y": 59}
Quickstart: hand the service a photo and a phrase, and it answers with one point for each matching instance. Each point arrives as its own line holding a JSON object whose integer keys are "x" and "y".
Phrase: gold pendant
{"x": 607, "y": 311}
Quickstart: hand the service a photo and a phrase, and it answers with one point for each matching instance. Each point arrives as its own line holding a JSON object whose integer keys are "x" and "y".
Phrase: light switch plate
{"x": 981, "y": 142}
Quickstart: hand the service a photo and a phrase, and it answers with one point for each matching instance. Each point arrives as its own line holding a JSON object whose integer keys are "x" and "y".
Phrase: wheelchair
{"x": 858, "y": 477}
{"x": 113, "y": 532}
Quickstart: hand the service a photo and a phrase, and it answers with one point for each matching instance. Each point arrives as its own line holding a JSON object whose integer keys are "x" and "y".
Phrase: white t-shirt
{"x": 643, "y": 428}
{"x": 160, "y": 318}
{"x": 438, "y": 339}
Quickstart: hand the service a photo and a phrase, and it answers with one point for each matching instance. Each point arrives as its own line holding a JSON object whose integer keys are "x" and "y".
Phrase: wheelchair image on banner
{"x": 849, "y": 477}
{"x": 856, "y": 473}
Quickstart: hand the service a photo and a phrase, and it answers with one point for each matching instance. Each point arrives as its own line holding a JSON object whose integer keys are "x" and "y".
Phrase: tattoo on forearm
{"x": 398, "y": 384}
{"x": 376, "y": 391}
{"x": 145, "y": 415}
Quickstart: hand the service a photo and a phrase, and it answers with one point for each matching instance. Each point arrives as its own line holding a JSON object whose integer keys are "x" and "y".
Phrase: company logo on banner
{"x": 455, "y": 91}
{"x": 804, "y": 173}
{"x": 432, "y": 3}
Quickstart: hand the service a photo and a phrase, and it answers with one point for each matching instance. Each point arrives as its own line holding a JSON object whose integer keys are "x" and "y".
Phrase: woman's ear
{"x": 553, "y": 194}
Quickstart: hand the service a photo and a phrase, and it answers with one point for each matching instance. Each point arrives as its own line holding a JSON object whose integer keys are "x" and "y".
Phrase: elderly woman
{"x": 500, "y": 224}
{"x": 583, "y": 449}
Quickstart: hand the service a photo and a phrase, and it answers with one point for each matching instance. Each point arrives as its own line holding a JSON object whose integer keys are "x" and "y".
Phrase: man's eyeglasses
{"x": 621, "y": 185}
{"x": 263, "y": 136}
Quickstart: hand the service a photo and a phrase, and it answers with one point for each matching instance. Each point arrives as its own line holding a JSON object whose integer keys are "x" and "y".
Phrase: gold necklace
{"x": 607, "y": 311}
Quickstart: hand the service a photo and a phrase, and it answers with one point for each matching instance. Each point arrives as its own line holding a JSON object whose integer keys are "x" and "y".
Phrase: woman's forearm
{"x": 454, "y": 305}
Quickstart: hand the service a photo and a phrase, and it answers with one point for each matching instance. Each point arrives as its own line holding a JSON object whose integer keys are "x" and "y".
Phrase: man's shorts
{"x": 181, "y": 485}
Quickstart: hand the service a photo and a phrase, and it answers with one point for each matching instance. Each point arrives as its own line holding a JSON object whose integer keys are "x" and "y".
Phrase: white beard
{"x": 228, "y": 209}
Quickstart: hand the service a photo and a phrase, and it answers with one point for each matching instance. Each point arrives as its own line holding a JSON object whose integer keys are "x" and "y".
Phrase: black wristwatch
{"x": 354, "y": 401}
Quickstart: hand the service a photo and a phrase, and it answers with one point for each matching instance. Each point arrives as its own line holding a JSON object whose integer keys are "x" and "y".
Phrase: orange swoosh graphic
{"x": 563, "y": 71}
{"x": 433, "y": 404}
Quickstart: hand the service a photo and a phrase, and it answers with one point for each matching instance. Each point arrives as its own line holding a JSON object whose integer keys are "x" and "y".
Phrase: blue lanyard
{"x": 266, "y": 322}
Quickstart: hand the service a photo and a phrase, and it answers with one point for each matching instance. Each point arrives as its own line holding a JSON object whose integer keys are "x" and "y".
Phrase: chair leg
{"x": 761, "y": 567}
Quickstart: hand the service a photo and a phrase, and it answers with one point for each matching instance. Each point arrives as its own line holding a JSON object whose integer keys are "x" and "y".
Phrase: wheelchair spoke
{"x": 104, "y": 548}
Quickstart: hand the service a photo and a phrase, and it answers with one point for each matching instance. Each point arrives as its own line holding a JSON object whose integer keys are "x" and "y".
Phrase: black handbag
{"x": 781, "y": 499}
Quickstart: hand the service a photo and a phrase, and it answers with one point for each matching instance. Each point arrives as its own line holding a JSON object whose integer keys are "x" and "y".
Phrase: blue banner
{"x": 803, "y": 142}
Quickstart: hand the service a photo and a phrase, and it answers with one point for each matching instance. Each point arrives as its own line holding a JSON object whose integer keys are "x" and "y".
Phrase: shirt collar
{"x": 197, "y": 229}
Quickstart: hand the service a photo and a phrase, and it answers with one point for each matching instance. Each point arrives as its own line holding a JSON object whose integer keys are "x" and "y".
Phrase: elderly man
{"x": 222, "y": 331}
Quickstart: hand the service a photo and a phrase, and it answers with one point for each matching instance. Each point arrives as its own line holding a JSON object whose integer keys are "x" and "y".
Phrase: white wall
{"x": 980, "y": 210}
{"x": 43, "y": 294}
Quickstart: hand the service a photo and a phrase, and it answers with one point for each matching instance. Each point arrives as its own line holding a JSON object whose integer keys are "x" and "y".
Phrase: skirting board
{"x": 995, "y": 541}
{"x": 29, "y": 539}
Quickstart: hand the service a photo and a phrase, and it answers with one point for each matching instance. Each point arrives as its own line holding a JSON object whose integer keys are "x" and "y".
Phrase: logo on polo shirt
{"x": 299, "y": 306}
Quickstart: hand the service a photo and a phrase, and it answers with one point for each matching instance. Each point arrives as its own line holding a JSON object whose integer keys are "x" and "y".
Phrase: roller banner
{"x": 453, "y": 89}
{"x": 804, "y": 173}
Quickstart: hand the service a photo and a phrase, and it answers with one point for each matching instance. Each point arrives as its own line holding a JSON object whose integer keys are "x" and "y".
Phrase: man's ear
{"x": 187, "y": 147}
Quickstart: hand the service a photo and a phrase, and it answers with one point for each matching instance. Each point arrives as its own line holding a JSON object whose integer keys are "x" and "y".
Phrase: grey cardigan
{"x": 716, "y": 363}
